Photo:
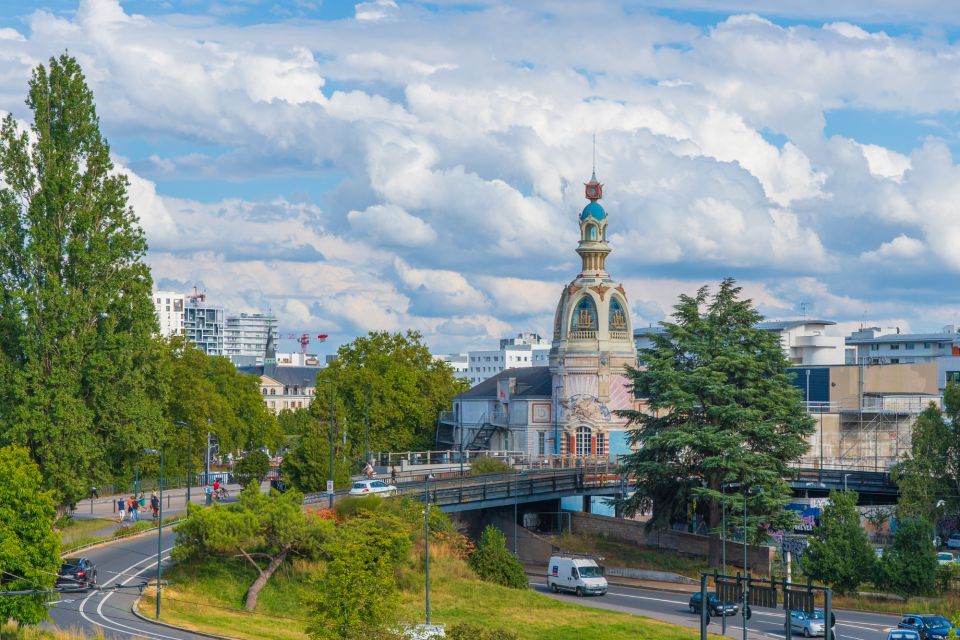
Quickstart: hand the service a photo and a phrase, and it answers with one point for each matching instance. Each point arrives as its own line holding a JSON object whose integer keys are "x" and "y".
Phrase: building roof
{"x": 783, "y": 325}
{"x": 532, "y": 382}
{"x": 286, "y": 375}
{"x": 890, "y": 338}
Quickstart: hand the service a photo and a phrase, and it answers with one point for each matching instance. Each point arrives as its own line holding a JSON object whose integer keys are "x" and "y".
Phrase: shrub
{"x": 350, "y": 506}
{"x": 468, "y": 631}
{"x": 482, "y": 466}
{"x": 253, "y": 467}
{"x": 493, "y": 563}
{"x": 909, "y": 567}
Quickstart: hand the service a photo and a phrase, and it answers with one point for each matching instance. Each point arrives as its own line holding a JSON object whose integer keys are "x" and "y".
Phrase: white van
{"x": 577, "y": 574}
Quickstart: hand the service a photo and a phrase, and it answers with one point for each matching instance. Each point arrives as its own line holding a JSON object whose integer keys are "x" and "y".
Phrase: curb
{"x": 136, "y": 604}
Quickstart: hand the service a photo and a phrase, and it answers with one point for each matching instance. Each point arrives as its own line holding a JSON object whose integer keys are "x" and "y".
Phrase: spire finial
{"x": 593, "y": 176}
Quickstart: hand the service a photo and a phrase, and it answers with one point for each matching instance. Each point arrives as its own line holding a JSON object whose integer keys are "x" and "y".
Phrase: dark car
{"x": 715, "y": 607}
{"x": 930, "y": 627}
{"x": 77, "y": 573}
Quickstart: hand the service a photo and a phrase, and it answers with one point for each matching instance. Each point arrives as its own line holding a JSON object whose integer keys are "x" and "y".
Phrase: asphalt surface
{"x": 764, "y": 623}
{"x": 130, "y": 562}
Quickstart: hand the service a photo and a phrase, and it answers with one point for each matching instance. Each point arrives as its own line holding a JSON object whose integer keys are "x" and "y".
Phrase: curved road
{"x": 763, "y": 625}
{"x": 130, "y": 562}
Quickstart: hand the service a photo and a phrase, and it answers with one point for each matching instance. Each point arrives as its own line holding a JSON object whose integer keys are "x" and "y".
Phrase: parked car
{"x": 374, "y": 487}
{"x": 580, "y": 575}
{"x": 902, "y": 634}
{"x": 77, "y": 574}
{"x": 928, "y": 626}
{"x": 809, "y": 624}
{"x": 878, "y": 551}
{"x": 714, "y": 606}
{"x": 945, "y": 557}
{"x": 953, "y": 542}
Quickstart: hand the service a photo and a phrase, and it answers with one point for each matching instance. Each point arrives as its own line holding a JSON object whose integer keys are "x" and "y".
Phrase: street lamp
{"x": 187, "y": 426}
{"x": 159, "y": 525}
{"x": 426, "y": 539}
{"x": 330, "y": 479}
{"x": 366, "y": 434}
{"x": 460, "y": 426}
{"x": 845, "y": 476}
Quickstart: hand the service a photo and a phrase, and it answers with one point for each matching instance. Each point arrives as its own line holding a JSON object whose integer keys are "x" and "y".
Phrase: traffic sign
{"x": 329, "y": 486}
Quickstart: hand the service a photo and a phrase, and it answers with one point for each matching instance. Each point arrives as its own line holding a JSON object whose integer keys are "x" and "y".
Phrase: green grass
{"x": 623, "y": 554}
{"x": 75, "y": 533}
{"x": 209, "y": 597}
{"x": 13, "y": 632}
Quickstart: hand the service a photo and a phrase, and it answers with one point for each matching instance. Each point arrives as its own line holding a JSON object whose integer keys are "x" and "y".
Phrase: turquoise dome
{"x": 593, "y": 209}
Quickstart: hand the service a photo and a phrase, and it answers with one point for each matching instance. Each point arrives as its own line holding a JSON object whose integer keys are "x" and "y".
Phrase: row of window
{"x": 909, "y": 346}
{"x": 585, "y": 316}
{"x": 287, "y": 391}
{"x": 286, "y": 404}
{"x": 497, "y": 358}
{"x": 582, "y": 443}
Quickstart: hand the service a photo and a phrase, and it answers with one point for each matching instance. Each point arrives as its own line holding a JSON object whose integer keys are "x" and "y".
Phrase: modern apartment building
{"x": 245, "y": 337}
{"x": 168, "y": 307}
{"x": 525, "y": 350}
{"x": 203, "y": 325}
{"x": 871, "y": 346}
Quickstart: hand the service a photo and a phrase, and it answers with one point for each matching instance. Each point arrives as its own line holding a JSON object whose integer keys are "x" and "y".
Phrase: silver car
{"x": 809, "y": 624}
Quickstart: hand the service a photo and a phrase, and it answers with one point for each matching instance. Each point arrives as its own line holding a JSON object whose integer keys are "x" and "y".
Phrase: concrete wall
{"x": 760, "y": 558}
{"x": 918, "y": 377}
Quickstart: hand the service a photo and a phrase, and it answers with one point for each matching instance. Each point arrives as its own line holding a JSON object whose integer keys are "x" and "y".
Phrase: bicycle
{"x": 221, "y": 494}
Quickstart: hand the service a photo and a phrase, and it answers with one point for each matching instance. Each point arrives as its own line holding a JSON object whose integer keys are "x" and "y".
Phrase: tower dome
{"x": 593, "y": 210}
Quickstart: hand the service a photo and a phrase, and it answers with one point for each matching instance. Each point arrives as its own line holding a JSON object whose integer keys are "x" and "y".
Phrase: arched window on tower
{"x": 583, "y": 441}
{"x": 618, "y": 317}
{"x": 584, "y": 315}
{"x": 591, "y": 232}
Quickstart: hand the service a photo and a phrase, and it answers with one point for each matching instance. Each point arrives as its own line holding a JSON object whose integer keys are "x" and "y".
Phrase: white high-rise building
{"x": 168, "y": 307}
{"x": 245, "y": 337}
{"x": 525, "y": 350}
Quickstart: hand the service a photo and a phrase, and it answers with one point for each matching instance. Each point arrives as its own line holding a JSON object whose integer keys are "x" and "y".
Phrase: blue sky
{"x": 392, "y": 165}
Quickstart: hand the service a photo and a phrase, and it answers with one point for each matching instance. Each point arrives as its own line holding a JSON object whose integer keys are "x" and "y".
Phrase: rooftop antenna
{"x": 803, "y": 309}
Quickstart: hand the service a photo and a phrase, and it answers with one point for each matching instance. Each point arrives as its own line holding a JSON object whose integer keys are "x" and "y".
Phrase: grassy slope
{"x": 76, "y": 532}
{"x": 210, "y": 598}
{"x": 624, "y": 554}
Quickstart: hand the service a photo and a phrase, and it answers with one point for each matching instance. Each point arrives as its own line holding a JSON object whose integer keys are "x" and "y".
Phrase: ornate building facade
{"x": 592, "y": 343}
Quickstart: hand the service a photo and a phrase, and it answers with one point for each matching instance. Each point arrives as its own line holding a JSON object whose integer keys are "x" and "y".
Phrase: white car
{"x": 945, "y": 557}
{"x": 372, "y": 487}
{"x": 953, "y": 542}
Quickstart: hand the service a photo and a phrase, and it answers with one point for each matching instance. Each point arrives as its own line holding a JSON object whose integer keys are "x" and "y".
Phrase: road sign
{"x": 329, "y": 486}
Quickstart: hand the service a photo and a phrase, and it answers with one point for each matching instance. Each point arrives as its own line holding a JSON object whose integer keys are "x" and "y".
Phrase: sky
{"x": 393, "y": 165}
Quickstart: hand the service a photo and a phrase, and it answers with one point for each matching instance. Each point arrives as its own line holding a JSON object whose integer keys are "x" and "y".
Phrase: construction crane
{"x": 304, "y": 339}
{"x": 197, "y": 296}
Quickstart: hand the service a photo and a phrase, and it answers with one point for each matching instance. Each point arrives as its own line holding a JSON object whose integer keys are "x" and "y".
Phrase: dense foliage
{"x": 29, "y": 546}
{"x": 840, "y": 554}
{"x": 720, "y": 409}
{"x": 253, "y": 467}
{"x": 267, "y": 530}
{"x": 481, "y": 466}
{"x": 926, "y": 476}
{"x": 76, "y": 355}
{"x": 494, "y": 563}
{"x": 909, "y": 567}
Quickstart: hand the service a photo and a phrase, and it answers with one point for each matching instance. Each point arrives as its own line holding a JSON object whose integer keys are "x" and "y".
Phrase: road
{"x": 763, "y": 625}
{"x": 104, "y": 612}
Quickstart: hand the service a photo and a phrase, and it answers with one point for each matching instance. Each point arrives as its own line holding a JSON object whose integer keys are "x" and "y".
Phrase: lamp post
{"x": 366, "y": 433}
{"x": 426, "y": 539}
{"x": 845, "y": 476}
{"x": 330, "y": 478}
{"x": 723, "y": 543}
{"x": 187, "y": 426}
{"x": 460, "y": 426}
{"x": 159, "y": 526}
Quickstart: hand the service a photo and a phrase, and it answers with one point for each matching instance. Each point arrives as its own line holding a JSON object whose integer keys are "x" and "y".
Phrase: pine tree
{"x": 720, "y": 409}
{"x": 75, "y": 312}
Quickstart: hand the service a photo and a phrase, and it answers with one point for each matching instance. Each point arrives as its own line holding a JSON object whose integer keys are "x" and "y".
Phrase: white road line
{"x": 114, "y": 625}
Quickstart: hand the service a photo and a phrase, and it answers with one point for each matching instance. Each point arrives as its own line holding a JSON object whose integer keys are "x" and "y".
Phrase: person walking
{"x": 155, "y": 505}
{"x": 209, "y": 495}
{"x": 120, "y": 507}
{"x": 393, "y": 476}
{"x": 132, "y": 508}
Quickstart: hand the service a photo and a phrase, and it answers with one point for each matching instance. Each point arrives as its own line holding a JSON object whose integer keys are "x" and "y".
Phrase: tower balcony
{"x": 620, "y": 335}
{"x": 582, "y": 335}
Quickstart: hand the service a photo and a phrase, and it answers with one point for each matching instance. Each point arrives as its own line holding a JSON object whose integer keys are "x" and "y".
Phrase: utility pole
{"x": 330, "y": 481}
{"x": 366, "y": 436}
{"x": 426, "y": 540}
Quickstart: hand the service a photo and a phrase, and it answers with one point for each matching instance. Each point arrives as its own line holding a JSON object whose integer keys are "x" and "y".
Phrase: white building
{"x": 168, "y": 307}
{"x": 804, "y": 342}
{"x": 871, "y": 345}
{"x": 245, "y": 337}
{"x": 526, "y": 350}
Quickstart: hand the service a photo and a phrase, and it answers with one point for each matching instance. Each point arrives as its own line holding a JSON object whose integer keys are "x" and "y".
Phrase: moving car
{"x": 714, "y": 606}
{"x": 928, "y": 626}
{"x": 809, "y": 624}
{"x": 374, "y": 487}
{"x": 580, "y": 575}
{"x": 902, "y": 634}
{"x": 945, "y": 557}
{"x": 953, "y": 542}
{"x": 77, "y": 574}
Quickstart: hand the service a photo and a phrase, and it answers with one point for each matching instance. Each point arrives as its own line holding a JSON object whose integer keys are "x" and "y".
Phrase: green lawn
{"x": 623, "y": 554}
{"x": 75, "y": 532}
{"x": 209, "y": 597}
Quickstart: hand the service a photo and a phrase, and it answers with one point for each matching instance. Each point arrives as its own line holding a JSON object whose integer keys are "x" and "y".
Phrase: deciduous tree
{"x": 839, "y": 553}
{"x": 494, "y": 563}
{"x": 909, "y": 566}
{"x": 252, "y": 468}
{"x": 923, "y": 475}
{"x": 720, "y": 409}
{"x": 76, "y": 318}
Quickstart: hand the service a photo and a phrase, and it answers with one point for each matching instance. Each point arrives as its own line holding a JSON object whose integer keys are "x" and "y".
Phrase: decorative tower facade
{"x": 592, "y": 343}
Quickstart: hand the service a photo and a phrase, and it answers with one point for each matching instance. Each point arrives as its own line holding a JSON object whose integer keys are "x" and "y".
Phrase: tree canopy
{"x": 924, "y": 475}
{"x": 76, "y": 318}
{"x": 909, "y": 566}
{"x": 29, "y": 547}
{"x": 839, "y": 553}
{"x": 720, "y": 409}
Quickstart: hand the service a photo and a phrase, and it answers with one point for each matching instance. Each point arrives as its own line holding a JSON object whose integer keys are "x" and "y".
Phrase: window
{"x": 927, "y": 345}
{"x": 874, "y": 347}
{"x": 618, "y": 319}
{"x": 583, "y": 441}
{"x": 910, "y": 346}
{"x": 894, "y": 360}
{"x": 894, "y": 347}
{"x": 585, "y": 315}
{"x": 953, "y": 376}
{"x": 591, "y": 233}
{"x": 601, "y": 444}
{"x": 541, "y": 443}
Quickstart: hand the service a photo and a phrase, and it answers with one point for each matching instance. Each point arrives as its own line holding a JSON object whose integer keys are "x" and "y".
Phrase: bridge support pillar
{"x": 587, "y": 500}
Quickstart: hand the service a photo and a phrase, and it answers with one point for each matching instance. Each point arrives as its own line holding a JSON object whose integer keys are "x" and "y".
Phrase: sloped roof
{"x": 532, "y": 382}
{"x": 289, "y": 376}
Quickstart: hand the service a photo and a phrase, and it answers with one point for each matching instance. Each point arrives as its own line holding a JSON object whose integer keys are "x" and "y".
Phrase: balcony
{"x": 582, "y": 335}
{"x": 620, "y": 335}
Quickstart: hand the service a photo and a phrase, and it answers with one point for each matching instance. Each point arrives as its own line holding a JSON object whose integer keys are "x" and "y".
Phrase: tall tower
{"x": 592, "y": 343}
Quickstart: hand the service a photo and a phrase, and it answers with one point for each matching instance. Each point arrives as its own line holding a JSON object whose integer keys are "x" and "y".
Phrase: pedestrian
{"x": 216, "y": 485}
{"x": 120, "y": 504}
{"x": 155, "y": 504}
{"x": 393, "y": 475}
{"x": 142, "y": 501}
{"x": 209, "y": 495}
{"x": 94, "y": 493}
{"x": 132, "y": 508}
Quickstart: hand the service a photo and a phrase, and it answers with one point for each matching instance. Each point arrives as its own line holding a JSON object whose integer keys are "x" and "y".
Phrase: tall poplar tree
{"x": 721, "y": 411}
{"x": 76, "y": 319}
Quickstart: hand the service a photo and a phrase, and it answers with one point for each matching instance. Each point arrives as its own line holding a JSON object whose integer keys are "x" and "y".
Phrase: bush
{"x": 350, "y": 506}
{"x": 253, "y": 467}
{"x": 909, "y": 567}
{"x": 493, "y": 563}
{"x": 839, "y": 553}
{"x": 482, "y": 466}
{"x": 468, "y": 631}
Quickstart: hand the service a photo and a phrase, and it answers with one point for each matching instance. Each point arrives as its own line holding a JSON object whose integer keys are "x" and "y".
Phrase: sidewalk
{"x": 174, "y": 502}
